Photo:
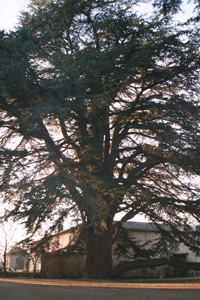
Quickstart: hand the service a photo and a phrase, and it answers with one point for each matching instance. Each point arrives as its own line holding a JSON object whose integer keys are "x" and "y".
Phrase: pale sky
{"x": 10, "y": 11}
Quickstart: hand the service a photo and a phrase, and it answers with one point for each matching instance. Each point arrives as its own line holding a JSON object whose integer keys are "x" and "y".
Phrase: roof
{"x": 16, "y": 250}
{"x": 140, "y": 226}
{"x": 68, "y": 230}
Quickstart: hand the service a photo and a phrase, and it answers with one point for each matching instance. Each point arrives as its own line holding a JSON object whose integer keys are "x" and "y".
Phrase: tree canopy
{"x": 99, "y": 114}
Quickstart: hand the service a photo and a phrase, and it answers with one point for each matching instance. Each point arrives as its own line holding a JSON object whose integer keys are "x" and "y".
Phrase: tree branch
{"x": 152, "y": 263}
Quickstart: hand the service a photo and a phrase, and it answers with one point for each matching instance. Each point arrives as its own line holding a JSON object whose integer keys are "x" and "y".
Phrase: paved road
{"x": 53, "y": 290}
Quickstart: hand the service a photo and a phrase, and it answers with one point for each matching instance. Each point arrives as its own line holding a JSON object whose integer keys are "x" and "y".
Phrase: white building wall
{"x": 64, "y": 239}
{"x": 31, "y": 265}
{"x": 144, "y": 236}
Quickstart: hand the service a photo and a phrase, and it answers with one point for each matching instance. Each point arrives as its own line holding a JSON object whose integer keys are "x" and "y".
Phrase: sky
{"x": 10, "y": 11}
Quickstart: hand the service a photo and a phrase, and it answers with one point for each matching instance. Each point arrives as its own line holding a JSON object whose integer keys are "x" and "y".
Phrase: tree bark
{"x": 5, "y": 261}
{"x": 99, "y": 254}
{"x": 150, "y": 263}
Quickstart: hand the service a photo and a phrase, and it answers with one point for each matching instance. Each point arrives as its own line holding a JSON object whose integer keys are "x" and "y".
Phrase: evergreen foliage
{"x": 99, "y": 114}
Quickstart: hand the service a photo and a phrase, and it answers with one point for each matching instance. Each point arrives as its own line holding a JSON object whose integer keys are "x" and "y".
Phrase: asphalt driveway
{"x": 78, "y": 290}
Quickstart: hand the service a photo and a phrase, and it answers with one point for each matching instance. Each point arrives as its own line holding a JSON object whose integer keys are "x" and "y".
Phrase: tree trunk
{"x": 99, "y": 254}
{"x": 34, "y": 268}
{"x": 5, "y": 262}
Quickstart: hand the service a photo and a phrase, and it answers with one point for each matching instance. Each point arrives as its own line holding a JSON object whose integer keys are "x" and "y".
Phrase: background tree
{"x": 99, "y": 115}
{"x": 7, "y": 233}
{"x": 36, "y": 249}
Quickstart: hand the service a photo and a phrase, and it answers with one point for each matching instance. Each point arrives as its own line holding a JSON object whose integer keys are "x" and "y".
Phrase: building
{"x": 17, "y": 260}
{"x": 148, "y": 232}
{"x": 58, "y": 263}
